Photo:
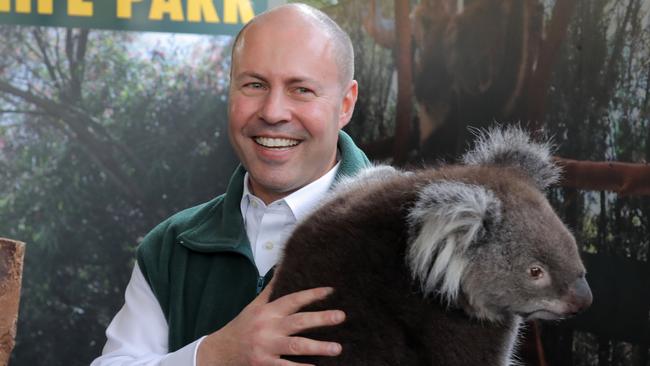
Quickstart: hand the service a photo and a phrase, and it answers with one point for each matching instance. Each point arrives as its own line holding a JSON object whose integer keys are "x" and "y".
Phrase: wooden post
{"x": 11, "y": 269}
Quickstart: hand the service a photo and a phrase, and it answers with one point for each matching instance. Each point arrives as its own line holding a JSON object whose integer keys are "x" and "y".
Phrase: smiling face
{"x": 287, "y": 103}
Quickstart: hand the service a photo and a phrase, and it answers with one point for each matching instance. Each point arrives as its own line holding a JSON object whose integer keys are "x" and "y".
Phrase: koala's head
{"x": 487, "y": 239}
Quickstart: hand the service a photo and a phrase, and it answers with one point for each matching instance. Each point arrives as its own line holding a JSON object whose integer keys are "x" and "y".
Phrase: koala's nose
{"x": 579, "y": 297}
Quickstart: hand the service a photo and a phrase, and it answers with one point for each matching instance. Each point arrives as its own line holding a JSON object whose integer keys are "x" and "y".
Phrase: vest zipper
{"x": 260, "y": 284}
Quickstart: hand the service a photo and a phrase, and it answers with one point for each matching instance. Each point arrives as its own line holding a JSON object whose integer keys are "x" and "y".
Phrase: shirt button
{"x": 268, "y": 245}
{"x": 254, "y": 204}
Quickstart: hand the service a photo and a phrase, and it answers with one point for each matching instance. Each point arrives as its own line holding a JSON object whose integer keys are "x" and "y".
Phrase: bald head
{"x": 308, "y": 18}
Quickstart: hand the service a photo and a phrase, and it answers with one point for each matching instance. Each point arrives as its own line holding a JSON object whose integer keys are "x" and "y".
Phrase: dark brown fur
{"x": 356, "y": 243}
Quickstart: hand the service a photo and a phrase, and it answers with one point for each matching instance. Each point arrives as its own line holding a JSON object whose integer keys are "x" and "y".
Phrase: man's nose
{"x": 276, "y": 107}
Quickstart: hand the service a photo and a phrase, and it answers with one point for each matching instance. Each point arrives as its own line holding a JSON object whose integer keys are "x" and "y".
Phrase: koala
{"x": 439, "y": 266}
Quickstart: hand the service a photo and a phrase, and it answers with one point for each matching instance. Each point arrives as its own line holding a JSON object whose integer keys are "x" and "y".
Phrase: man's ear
{"x": 347, "y": 105}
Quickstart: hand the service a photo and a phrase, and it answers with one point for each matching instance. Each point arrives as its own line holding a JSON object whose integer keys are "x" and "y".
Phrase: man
{"x": 193, "y": 295}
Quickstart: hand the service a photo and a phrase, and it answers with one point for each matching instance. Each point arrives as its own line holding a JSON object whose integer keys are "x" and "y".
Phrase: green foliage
{"x": 163, "y": 123}
{"x": 374, "y": 115}
{"x": 599, "y": 110}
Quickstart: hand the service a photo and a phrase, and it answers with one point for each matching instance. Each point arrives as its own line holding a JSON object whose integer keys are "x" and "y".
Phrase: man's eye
{"x": 303, "y": 90}
{"x": 254, "y": 88}
{"x": 254, "y": 85}
{"x": 302, "y": 93}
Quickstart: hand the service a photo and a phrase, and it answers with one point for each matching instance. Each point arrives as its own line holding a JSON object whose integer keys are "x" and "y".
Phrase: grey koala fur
{"x": 439, "y": 267}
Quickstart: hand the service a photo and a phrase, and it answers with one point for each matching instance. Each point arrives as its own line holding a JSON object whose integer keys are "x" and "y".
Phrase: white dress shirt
{"x": 138, "y": 333}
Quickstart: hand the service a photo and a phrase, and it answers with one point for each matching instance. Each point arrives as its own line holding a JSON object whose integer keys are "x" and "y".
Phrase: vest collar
{"x": 223, "y": 229}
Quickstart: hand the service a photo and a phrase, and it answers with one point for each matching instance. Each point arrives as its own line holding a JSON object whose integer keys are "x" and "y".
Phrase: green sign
{"x": 184, "y": 16}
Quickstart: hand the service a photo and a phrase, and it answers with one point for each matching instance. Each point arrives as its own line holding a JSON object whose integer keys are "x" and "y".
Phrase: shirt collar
{"x": 302, "y": 201}
{"x": 217, "y": 225}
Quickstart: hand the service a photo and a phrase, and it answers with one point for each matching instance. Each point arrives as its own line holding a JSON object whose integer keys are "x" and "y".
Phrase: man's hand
{"x": 263, "y": 331}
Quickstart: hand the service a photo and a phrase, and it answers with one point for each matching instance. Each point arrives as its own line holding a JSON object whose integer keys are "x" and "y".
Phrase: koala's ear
{"x": 446, "y": 220}
{"x": 512, "y": 146}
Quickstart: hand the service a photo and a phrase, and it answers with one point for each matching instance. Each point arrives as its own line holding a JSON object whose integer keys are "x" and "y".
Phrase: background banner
{"x": 178, "y": 16}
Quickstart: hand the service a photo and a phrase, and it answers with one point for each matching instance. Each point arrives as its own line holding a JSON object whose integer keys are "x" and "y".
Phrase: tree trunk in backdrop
{"x": 11, "y": 269}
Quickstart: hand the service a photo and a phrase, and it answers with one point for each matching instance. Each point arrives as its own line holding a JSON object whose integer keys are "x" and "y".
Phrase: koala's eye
{"x": 536, "y": 272}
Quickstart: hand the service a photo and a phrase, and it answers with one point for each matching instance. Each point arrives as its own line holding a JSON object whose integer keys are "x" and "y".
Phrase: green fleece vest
{"x": 199, "y": 262}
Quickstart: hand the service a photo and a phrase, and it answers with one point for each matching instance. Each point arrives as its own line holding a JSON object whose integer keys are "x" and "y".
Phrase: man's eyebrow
{"x": 302, "y": 80}
{"x": 291, "y": 81}
{"x": 247, "y": 74}
{"x": 298, "y": 80}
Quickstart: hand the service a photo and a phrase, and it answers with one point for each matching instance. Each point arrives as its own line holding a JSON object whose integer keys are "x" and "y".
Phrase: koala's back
{"x": 356, "y": 243}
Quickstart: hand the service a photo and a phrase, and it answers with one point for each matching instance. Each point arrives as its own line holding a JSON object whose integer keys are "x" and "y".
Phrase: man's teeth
{"x": 275, "y": 142}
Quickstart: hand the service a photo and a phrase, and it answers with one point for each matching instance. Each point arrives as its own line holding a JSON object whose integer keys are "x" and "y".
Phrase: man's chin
{"x": 274, "y": 187}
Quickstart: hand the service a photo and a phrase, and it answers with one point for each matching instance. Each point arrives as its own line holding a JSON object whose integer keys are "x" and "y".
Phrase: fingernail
{"x": 335, "y": 349}
{"x": 338, "y": 316}
{"x": 328, "y": 291}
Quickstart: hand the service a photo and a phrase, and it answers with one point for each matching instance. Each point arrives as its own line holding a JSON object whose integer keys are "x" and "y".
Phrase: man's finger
{"x": 281, "y": 362}
{"x": 299, "y": 322}
{"x": 291, "y": 303}
{"x": 300, "y": 346}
